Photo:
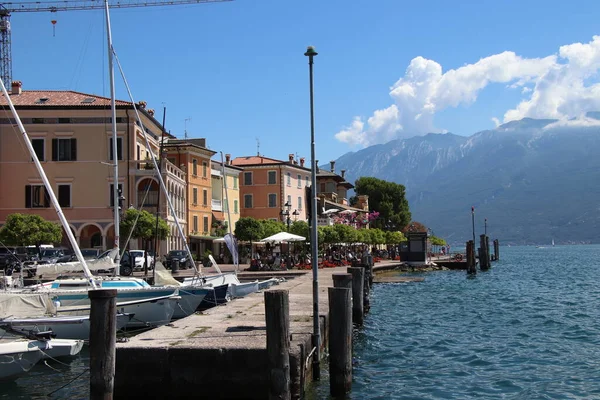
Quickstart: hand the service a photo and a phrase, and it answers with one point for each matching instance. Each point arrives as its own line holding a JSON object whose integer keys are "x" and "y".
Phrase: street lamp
{"x": 286, "y": 214}
{"x": 311, "y": 53}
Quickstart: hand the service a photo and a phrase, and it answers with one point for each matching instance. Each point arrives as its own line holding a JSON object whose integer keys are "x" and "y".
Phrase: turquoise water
{"x": 527, "y": 329}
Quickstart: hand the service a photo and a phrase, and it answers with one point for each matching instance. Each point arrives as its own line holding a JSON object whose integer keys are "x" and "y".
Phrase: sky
{"x": 235, "y": 73}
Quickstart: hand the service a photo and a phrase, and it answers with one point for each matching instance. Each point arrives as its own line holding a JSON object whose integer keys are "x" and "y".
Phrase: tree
{"x": 142, "y": 225}
{"x": 394, "y": 237}
{"x": 300, "y": 228}
{"x": 270, "y": 227}
{"x": 29, "y": 230}
{"x": 249, "y": 229}
{"x": 388, "y": 198}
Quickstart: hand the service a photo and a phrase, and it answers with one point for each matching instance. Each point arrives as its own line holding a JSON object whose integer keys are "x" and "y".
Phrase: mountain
{"x": 534, "y": 180}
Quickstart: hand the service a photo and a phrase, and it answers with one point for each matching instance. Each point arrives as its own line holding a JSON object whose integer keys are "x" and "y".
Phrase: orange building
{"x": 267, "y": 184}
{"x": 192, "y": 156}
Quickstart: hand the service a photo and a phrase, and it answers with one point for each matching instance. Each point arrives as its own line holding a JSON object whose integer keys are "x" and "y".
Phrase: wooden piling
{"x": 343, "y": 280}
{"x": 103, "y": 339}
{"x": 366, "y": 287}
{"x": 496, "y": 250}
{"x": 340, "y": 341}
{"x": 357, "y": 294}
{"x": 470, "y": 249}
{"x": 484, "y": 259}
{"x": 277, "y": 313}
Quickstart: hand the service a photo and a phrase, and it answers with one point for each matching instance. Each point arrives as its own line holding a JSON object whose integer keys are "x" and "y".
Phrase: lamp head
{"x": 310, "y": 51}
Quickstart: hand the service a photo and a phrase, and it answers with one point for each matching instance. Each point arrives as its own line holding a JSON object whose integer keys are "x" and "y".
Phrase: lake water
{"x": 527, "y": 329}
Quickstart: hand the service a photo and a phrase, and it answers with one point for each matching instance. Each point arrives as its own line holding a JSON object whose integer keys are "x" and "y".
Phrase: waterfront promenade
{"x": 222, "y": 351}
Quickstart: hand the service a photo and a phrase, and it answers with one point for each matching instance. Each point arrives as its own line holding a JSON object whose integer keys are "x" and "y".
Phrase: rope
{"x": 68, "y": 383}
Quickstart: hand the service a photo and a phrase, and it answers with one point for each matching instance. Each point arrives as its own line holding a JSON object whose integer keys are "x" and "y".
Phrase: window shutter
{"x": 54, "y": 149}
{"x": 73, "y": 149}
{"x": 27, "y": 196}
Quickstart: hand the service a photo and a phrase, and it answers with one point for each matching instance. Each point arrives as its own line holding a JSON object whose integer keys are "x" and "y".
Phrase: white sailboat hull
{"x": 191, "y": 297}
{"x": 18, "y": 357}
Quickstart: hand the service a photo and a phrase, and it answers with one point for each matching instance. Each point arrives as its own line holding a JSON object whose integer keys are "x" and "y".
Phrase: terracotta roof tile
{"x": 64, "y": 98}
{"x": 255, "y": 160}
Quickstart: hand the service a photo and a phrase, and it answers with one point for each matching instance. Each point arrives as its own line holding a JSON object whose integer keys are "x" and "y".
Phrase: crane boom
{"x": 65, "y": 5}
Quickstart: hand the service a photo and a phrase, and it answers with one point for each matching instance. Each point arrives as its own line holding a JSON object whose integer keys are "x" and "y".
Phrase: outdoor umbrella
{"x": 283, "y": 237}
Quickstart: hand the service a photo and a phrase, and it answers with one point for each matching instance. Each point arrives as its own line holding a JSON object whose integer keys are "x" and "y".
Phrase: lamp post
{"x": 311, "y": 53}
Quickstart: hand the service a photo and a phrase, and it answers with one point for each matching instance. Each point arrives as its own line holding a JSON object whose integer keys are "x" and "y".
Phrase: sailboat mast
{"x": 48, "y": 187}
{"x": 116, "y": 192}
{"x": 236, "y": 259}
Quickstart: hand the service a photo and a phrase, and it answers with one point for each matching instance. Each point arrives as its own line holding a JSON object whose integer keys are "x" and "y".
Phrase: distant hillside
{"x": 534, "y": 180}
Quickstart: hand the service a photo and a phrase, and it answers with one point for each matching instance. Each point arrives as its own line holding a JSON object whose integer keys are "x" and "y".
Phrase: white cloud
{"x": 496, "y": 121}
{"x": 558, "y": 87}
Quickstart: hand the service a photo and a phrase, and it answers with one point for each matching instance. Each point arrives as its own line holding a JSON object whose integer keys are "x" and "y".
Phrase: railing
{"x": 217, "y": 205}
{"x": 151, "y": 199}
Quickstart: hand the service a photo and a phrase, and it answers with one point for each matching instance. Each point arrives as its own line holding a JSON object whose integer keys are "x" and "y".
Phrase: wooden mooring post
{"x": 484, "y": 257}
{"x": 277, "y": 314}
{"x": 496, "y": 250}
{"x": 471, "y": 267}
{"x": 340, "y": 341}
{"x": 103, "y": 339}
{"x": 357, "y": 294}
{"x": 343, "y": 280}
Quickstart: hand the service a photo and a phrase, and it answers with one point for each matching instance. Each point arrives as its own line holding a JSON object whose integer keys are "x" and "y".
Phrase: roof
{"x": 59, "y": 98}
{"x": 255, "y": 160}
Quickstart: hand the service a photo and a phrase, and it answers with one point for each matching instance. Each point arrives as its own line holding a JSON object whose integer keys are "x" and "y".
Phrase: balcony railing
{"x": 151, "y": 199}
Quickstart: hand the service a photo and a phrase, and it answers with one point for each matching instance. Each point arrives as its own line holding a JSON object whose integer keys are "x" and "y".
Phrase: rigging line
{"x": 137, "y": 217}
{"x": 82, "y": 53}
{"x": 162, "y": 183}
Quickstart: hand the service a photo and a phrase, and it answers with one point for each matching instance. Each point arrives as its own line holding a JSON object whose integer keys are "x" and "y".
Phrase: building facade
{"x": 267, "y": 185}
{"x": 71, "y": 134}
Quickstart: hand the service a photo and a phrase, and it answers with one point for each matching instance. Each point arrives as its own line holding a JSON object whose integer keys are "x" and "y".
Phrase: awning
{"x": 218, "y": 215}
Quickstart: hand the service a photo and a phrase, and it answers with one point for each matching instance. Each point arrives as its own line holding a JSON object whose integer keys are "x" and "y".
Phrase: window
{"x": 64, "y": 195}
{"x": 195, "y": 223}
{"x": 307, "y": 181}
{"x": 205, "y": 197}
{"x": 247, "y": 178}
{"x": 204, "y": 168}
{"x": 195, "y": 167}
{"x": 289, "y": 199}
{"x": 299, "y": 181}
{"x": 330, "y": 187}
{"x": 64, "y": 120}
{"x": 38, "y": 147}
{"x": 195, "y": 196}
{"x": 299, "y": 202}
{"x": 272, "y": 200}
{"x": 139, "y": 152}
{"x": 64, "y": 149}
{"x": 119, "y": 149}
{"x": 247, "y": 201}
{"x": 235, "y": 207}
{"x": 205, "y": 224}
{"x": 272, "y": 177}
{"x": 289, "y": 179}
{"x": 36, "y": 196}
{"x": 225, "y": 206}
{"x": 322, "y": 188}
{"x": 235, "y": 182}
{"x": 112, "y": 188}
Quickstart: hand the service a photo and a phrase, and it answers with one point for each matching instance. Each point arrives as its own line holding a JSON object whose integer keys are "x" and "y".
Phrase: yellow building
{"x": 72, "y": 136}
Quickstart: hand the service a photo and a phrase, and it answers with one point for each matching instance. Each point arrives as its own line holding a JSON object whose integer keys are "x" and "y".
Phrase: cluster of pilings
{"x": 483, "y": 254}
{"x": 347, "y": 299}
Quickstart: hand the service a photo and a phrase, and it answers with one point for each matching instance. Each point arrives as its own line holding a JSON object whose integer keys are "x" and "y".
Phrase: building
{"x": 72, "y": 136}
{"x": 268, "y": 184}
{"x": 225, "y": 194}
{"x": 194, "y": 158}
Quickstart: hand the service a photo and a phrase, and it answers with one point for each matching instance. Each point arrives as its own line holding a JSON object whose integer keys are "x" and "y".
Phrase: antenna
{"x": 257, "y": 147}
{"x": 185, "y": 126}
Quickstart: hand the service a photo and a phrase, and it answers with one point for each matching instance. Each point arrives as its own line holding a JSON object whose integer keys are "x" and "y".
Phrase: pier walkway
{"x": 222, "y": 351}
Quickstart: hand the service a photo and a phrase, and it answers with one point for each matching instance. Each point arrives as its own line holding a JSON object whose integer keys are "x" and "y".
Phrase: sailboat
{"x": 152, "y": 306}
{"x": 552, "y": 242}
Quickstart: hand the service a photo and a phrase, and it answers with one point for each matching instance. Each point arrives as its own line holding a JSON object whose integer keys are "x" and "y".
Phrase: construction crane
{"x": 66, "y": 5}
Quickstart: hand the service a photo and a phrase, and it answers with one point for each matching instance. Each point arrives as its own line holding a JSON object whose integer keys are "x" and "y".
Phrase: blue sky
{"x": 237, "y": 68}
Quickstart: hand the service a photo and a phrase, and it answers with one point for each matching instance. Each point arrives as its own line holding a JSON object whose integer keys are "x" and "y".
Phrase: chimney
{"x": 227, "y": 159}
{"x": 302, "y": 161}
{"x": 291, "y": 158}
{"x": 16, "y": 87}
{"x": 332, "y": 163}
{"x": 142, "y": 104}
{"x": 151, "y": 112}
{"x": 343, "y": 173}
